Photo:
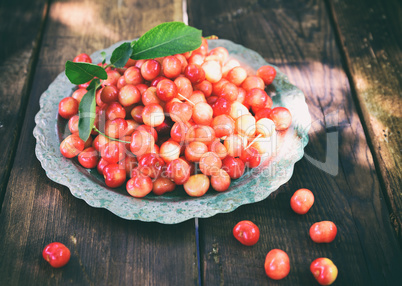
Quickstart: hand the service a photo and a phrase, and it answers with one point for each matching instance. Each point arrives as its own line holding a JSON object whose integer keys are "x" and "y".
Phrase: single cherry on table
{"x": 57, "y": 254}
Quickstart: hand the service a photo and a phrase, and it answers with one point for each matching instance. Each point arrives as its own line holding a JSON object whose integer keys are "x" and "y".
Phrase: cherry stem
{"x": 114, "y": 139}
{"x": 251, "y": 143}
{"x": 186, "y": 99}
{"x": 212, "y": 37}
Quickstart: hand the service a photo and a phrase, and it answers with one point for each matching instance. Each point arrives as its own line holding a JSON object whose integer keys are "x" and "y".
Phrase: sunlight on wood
{"x": 83, "y": 18}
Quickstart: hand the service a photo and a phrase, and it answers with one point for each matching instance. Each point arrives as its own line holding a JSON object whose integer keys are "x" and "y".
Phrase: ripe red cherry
{"x": 166, "y": 90}
{"x": 178, "y": 170}
{"x": 277, "y": 264}
{"x": 150, "y": 69}
{"x": 89, "y": 158}
{"x": 68, "y": 107}
{"x": 151, "y": 165}
{"x": 267, "y": 74}
{"x": 324, "y": 271}
{"x": 281, "y": 117}
{"x": 113, "y": 151}
{"x": 71, "y": 146}
{"x": 233, "y": 166}
{"x": 163, "y": 185}
{"x": 246, "y": 232}
{"x": 301, "y": 201}
{"x": 83, "y": 58}
{"x": 57, "y": 254}
{"x": 250, "y": 157}
{"x": 115, "y": 175}
{"x": 323, "y": 232}
{"x": 194, "y": 73}
{"x": 139, "y": 185}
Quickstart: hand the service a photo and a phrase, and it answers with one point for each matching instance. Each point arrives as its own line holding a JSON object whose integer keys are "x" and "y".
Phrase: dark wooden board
{"x": 106, "y": 250}
{"x": 20, "y": 30}
{"x": 374, "y": 61}
{"x": 298, "y": 37}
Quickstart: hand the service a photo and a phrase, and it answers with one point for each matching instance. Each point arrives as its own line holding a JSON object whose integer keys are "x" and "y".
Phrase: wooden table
{"x": 346, "y": 57}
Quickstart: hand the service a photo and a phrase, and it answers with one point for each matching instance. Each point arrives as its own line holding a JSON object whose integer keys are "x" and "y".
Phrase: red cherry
{"x": 57, "y": 254}
{"x": 246, "y": 232}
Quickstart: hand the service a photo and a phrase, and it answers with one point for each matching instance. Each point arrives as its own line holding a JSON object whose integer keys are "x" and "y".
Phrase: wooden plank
{"x": 20, "y": 30}
{"x": 374, "y": 60}
{"x": 106, "y": 250}
{"x": 298, "y": 37}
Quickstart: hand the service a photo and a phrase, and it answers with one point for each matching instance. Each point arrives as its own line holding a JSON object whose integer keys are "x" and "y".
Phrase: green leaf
{"x": 167, "y": 39}
{"x": 103, "y": 54}
{"x": 79, "y": 73}
{"x": 94, "y": 84}
{"x": 87, "y": 113}
{"x": 121, "y": 55}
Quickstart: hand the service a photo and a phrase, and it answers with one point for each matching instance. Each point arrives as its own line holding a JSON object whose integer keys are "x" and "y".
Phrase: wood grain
{"x": 20, "y": 31}
{"x": 374, "y": 61}
{"x": 106, "y": 250}
{"x": 298, "y": 37}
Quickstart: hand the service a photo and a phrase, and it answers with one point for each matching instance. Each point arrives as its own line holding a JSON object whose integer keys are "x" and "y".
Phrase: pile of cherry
{"x": 197, "y": 119}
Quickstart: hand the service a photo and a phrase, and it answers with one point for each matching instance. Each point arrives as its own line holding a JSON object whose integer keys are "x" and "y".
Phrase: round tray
{"x": 177, "y": 206}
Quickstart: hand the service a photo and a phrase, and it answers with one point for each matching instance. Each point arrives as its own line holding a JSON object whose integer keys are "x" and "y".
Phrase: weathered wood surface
{"x": 374, "y": 60}
{"x": 20, "y": 30}
{"x": 106, "y": 250}
{"x": 298, "y": 37}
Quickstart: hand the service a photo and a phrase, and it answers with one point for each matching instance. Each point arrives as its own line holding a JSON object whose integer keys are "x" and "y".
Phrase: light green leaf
{"x": 79, "y": 73}
{"x": 167, "y": 39}
{"x": 87, "y": 113}
{"x": 121, "y": 55}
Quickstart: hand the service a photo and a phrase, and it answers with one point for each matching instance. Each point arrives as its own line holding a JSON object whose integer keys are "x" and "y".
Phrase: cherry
{"x": 163, "y": 185}
{"x": 79, "y": 94}
{"x": 178, "y": 170}
{"x": 115, "y": 175}
{"x": 250, "y": 157}
{"x": 282, "y": 117}
{"x": 150, "y": 69}
{"x": 277, "y": 264}
{"x": 197, "y": 185}
{"x": 233, "y": 166}
{"x": 237, "y": 75}
{"x": 68, "y": 107}
{"x": 113, "y": 151}
{"x": 267, "y": 74}
{"x": 253, "y": 82}
{"x": 88, "y": 158}
{"x": 109, "y": 94}
{"x": 83, "y": 58}
{"x": 221, "y": 106}
{"x": 139, "y": 185}
{"x": 57, "y": 254}
{"x": 204, "y": 86}
{"x": 71, "y": 146}
{"x": 194, "y": 73}
{"x": 153, "y": 115}
{"x": 129, "y": 95}
{"x": 323, "y": 232}
{"x": 184, "y": 87}
{"x": 151, "y": 165}
{"x": 210, "y": 163}
{"x": 133, "y": 76}
{"x": 220, "y": 180}
{"x": 73, "y": 124}
{"x": 171, "y": 67}
{"x": 301, "y": 201}
{"x": 246, "y": 232}
{"x": 166, "y": 90}
{"x": 324, "y": 271}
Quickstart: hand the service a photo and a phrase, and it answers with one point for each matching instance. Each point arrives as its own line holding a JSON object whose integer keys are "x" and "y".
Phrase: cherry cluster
{"x": 196, "y": 119}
